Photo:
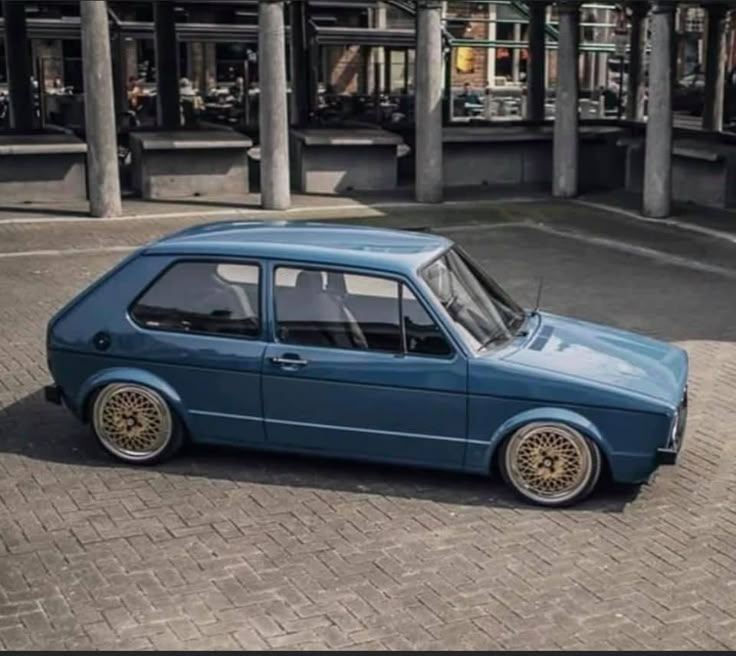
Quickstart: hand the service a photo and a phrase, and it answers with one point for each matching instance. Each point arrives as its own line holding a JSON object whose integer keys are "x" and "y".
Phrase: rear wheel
{"x": 135, "y": 424}
{"x": 550, "y": 464}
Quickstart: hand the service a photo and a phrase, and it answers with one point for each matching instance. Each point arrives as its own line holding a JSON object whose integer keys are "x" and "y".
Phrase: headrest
{"x": 310, "y": 281}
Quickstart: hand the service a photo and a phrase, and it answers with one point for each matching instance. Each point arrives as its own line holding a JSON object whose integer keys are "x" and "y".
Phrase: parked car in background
{"x": 360, "y": 343}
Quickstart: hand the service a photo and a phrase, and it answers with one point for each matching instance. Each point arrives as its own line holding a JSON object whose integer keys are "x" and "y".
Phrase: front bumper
{"x": 667, "y": 455}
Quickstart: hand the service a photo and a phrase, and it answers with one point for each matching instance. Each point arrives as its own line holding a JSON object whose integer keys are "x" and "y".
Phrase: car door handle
{"x": 290, "y": 362}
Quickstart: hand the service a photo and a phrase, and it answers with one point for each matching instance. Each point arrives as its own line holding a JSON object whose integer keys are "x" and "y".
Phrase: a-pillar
{"x": 637, "y": 43}
{"x": 715, "y": 66}
{"x": 19, "y": 66}
{"x": 657, "y": 197}
{"x": 273, "y": 119}
{"x": 428, "y": 102}
{"x": 565, "y": 148}
{"x": 167, "y": 66}
{"x": 103, "y": 179}
{"x": 536, "y": 91}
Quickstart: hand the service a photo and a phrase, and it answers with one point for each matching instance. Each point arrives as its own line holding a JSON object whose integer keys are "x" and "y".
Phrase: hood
{"x": 606, "y": 356}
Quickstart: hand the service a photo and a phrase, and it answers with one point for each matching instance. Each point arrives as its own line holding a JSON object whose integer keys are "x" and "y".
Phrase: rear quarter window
{"x": 214, "y": 298}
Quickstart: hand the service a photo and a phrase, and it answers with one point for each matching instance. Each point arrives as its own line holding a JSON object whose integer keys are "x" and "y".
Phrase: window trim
{"x": 196, "y": 260}
{"x": 370, "y": 273}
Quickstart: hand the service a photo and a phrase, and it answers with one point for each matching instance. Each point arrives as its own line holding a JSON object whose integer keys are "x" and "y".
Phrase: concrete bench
{"x": 702, "y": 172}
{"x": 521, "y": 155}
{"x": 42, "y": 167}
{"x": 334, "y": 161}
{"x": 185, "y": 163}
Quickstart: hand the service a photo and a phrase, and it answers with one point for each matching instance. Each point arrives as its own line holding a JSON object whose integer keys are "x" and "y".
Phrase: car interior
{"x": 313, "y": 308}
{"x": 195, "y": 297}
{"x": 319, "y": 309}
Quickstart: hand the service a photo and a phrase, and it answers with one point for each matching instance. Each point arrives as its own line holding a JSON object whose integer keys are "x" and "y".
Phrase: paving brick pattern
{"x": 222, "y": 549}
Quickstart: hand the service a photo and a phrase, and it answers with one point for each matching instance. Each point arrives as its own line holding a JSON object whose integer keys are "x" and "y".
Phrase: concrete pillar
{"x": 715, "y": 66}
{"x": 536, "y": 64}
{"x": 274, "y": 129}
{"x": 18, "y": 62}
{"x": 103, "y": 179}
{"x": 603, "y": 16}
{"x": 428, "y": 102}
{"x": 565, "y": 149}
{"x": 201, "y": 61}
{"x": 167, "y": 66}
{"x": 130, "y": 56}
{"x": 377, "y": 58}
{"x": 491, "y": 52}
{"x": 657, "y": 195}
{"x": 196, "y": 66}
{"x": 516, "y": 55}
{"x": 637, "y": 43}
{"x": 593, "y": 71}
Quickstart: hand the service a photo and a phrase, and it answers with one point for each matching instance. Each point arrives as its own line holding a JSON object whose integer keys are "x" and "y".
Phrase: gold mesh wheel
{"x": 551, "y": 464}
{"x": 132, "y": 422}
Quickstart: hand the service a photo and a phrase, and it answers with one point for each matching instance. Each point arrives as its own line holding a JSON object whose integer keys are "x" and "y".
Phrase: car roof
{"x": 333, "y": 244}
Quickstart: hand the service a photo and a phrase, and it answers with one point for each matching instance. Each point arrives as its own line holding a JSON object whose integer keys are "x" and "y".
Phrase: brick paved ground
{"x": 223, "y": 549}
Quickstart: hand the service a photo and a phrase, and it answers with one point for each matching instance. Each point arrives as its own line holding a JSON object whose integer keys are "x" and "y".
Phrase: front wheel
{"x": 550, "y": 464}
{"x": 135, "y": 424}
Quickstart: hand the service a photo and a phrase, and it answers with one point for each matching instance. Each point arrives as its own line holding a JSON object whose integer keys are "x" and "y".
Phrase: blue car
{"x": 361, "y": 343}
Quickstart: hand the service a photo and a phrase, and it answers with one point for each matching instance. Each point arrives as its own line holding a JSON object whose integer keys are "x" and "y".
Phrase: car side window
{"x": 423, "y": 335}
{"x": 203, "y": 297}
{"x": 337, "y": 309}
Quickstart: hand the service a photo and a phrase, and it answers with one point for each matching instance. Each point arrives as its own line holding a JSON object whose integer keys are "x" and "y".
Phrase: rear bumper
{"x": 667, "y": 455}
{"x": 52, "y": 394}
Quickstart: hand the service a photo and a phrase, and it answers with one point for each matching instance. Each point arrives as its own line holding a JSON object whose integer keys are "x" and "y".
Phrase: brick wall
{"x": 49, "y": 55}
{"x": 470, "y": 30}
{"x": 346, "y": 66}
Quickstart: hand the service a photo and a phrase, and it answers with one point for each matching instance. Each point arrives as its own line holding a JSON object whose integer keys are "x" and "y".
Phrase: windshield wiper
{"x": 519, "y": 329}
{"x": 492, "y": 339}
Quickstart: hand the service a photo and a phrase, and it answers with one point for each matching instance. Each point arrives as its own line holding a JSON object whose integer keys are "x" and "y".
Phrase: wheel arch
{"x": 546, "y": 415}
{"x": 129, "y": 375}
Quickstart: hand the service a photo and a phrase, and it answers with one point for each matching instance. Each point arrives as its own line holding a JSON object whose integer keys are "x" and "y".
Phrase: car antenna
{"x": 539, "y": 296}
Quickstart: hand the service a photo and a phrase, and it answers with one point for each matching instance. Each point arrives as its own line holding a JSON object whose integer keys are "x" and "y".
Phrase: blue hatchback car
{"x": 360, "y": 343}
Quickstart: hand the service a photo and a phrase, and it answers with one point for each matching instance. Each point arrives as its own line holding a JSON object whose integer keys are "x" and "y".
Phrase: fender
{"x": 546, "y": 415}
{"x": 130, "y": 375}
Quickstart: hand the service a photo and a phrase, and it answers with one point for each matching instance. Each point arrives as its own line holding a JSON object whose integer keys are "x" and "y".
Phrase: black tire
{"x": 135, "y": 424}
{"x": 550, "y": 464}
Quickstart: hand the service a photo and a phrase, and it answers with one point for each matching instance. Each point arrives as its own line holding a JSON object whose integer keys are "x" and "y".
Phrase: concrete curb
{"x": 259, "y": 213}
{"x": 674, "y": 223}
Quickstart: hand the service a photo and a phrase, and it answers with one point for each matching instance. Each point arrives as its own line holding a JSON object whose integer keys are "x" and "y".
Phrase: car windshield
{"x": 482, "y": 312}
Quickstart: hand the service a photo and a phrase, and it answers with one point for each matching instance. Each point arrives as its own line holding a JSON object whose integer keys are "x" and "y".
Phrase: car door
{"x": 198, "y": 327}
{"x": 350, "y": 373}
